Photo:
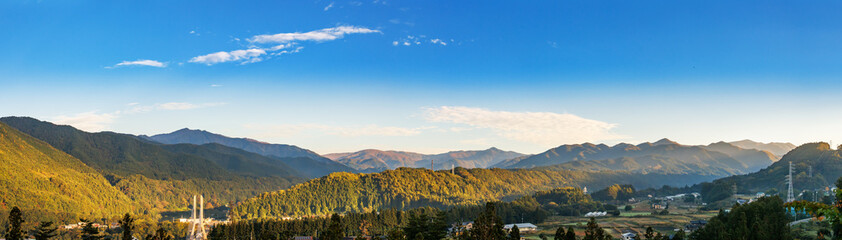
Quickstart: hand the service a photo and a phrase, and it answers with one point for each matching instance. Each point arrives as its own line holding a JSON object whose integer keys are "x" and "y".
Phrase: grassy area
{"x": 636, "y": 221}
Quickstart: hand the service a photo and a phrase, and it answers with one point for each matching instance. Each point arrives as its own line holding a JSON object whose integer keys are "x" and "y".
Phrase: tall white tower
{"x": 789, "y": 195}
{"x": 197, "y": 225}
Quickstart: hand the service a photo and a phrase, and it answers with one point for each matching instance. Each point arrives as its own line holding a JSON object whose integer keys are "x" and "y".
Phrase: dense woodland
{"x": 407, "y": 188}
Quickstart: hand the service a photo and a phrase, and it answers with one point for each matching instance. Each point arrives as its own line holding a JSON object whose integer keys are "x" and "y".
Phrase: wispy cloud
{"x": 422, "y": 39}
{"x": 286, "y": 130}
{"x": 278, "y": 44}
{"x": 170, "y": 106}
{"x": 87, "y": 121}
{"x": 326, "y": 34}
{"x": 245, "y": 56}
{"x": 329, "y": 6}
{"x": 140, "y": 62}
{"x": 93, "y": 121}
{"x": 544, "y": 128}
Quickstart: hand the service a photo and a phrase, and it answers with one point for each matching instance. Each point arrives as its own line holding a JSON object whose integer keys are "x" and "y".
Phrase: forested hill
{"x": 663, "y": 156}
{"x": 154, "y": 177}
{"x": 36, "y": 176}
{"x": 407, "y": 188}
{"x": 826, "y": 164}
{"x": 309, "y": 163}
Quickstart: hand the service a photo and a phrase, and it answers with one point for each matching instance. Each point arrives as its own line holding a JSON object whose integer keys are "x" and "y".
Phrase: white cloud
{"x": 544, "y": 128}
{"x": 285, "y": 130}
{"x": 329, "y": 6}
{"x": 87, "y": 121}
{"x": 277, "y": 42}
{"x": 141, "y": 62}
{"x": 418, "y": 40}
{"x": 326, "y": 34}
{"x": 245, "y": 56}
{"x": 216, "y": 85}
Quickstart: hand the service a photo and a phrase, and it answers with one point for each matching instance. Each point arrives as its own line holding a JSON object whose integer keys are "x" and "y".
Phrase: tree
{"x": 515, "y": 233}
{"x": 45, "y": 231}
{"x": 488, "y": 225}
{"x": 678, "y": 235}
{"x": 559, "y": 233}
{"x": 395, "y": 234}
{"x": 629, "y": 208}
{"x": 127, "y": 224}
{"x": 14, "y": 231}
{"x": 571, "y": 234}
{"x": 650, "y": 233}
{"x": 160, "y": 234}
{"x": 334, "y": 230}
{"x": 89, "y": 232}
{"x": 595, "y": 232}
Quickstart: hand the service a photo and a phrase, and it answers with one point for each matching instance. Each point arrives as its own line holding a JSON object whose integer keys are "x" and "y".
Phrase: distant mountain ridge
{"x": 199, "y": 137}
{"x": 372, "y": 160}
{"x": 664, "y": 156}
{"x": 302, "y": 160}
{"x": 777, "y": 148}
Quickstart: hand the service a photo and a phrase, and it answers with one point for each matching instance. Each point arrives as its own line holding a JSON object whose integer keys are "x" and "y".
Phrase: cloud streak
{"x": 94, "y": 122}
{"x": 543, "y": 128}
{"x": 141, "y": 62}
{"x": 87, "y": 121}
{"x": 265, "y": 45}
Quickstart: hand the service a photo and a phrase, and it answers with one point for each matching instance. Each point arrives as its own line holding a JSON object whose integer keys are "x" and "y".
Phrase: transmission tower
{"x": 197, "y": 225}
{"x": 789, "y": 195}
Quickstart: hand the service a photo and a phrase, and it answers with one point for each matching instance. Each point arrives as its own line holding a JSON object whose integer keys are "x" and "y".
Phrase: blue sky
{"x": 429, "y": 76}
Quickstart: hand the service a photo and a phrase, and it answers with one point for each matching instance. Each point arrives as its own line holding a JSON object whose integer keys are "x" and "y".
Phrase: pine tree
{"x": 594, "y": 232}
{"x": 14, "y": 231}
{"x": 488, "y": 225}
{"x": 89, "y": 232}
{"x": 45, "y": 231}
{"x": 650, "y": 233}
{"x": 571, "y": 234}
{"x": 515, "y": 233}
{"x": 127, "y": 224}
{"x": 559, "y": 233}
{"x": 334, "y": 230}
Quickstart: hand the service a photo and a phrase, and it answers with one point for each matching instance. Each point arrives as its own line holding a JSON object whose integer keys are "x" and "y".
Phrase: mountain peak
{"x": 665, "y": 141}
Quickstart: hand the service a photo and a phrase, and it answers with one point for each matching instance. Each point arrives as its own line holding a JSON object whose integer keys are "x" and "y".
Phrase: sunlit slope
{"x": 34, "y": 175}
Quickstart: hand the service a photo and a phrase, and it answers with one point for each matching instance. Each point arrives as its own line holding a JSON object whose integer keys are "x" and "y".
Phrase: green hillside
{"x": 408, "y": 188}
{"x": 149, "y": 174}
{"x": 826, "y": 164}
{"x": 38, "y": 176}
{"x": 236, "y": 160}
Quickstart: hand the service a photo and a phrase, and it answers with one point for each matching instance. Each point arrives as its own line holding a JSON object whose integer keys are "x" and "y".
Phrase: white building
{"x": 628, "y": 236}
{"x": 522, "y": 227}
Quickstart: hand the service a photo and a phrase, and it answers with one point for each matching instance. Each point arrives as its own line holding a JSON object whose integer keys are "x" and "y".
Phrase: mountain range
{"x": 305, "y": 161}
{"x": 777, "y": 148}
{"x": 664, "y": 156}
{"x": 372, "y": 160}
{"x": 157, "y": 178}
